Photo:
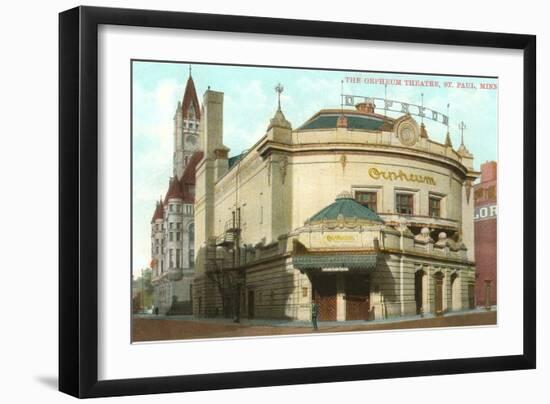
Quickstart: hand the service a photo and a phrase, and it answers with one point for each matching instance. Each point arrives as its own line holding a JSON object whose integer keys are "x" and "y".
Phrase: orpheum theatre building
{"x": 362, "y": 213}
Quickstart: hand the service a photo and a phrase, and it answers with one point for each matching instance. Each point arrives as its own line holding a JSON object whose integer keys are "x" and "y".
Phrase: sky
{"x": 250, "y": 101}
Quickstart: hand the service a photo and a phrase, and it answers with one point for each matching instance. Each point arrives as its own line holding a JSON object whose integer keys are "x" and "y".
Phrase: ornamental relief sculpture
{"x": 407, "y": 131}
{"x": 283, "y": 164}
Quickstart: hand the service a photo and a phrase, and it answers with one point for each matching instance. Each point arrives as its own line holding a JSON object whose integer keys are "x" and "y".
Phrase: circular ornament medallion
{"x": 407, "y": 133}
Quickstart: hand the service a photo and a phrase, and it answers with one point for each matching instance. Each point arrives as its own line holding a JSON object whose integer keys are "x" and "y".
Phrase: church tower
{"x": 186, "y": 128}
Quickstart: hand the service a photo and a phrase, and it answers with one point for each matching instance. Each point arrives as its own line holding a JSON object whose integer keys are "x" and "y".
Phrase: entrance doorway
{"x": 357, "y": 297}
{"x": 471, "y": 296}
{"x": 324, "y": 295}
{"x": 250, "y": 304}
{"x": 455, "y": 292}
{"x": 419, "y": 291}
{"x": 438, "y": 293}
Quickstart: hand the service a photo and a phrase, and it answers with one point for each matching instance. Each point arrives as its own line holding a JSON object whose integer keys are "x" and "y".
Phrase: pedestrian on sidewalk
{"x": 314, "y": 314}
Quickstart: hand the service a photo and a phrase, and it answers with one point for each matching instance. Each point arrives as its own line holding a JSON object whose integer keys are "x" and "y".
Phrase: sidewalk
{"x": 296, "y": 323}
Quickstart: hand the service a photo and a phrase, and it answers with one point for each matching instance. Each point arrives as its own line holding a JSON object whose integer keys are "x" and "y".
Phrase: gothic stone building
{"x": 172, "y": 225}
{"x": 362, "y": 213}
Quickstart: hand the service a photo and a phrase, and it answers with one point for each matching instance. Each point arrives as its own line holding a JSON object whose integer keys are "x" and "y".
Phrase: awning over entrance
{"x": 335, "y": 262}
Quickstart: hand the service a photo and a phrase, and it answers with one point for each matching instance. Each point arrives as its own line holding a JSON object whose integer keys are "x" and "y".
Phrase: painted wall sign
{"x": 485, "y": 212}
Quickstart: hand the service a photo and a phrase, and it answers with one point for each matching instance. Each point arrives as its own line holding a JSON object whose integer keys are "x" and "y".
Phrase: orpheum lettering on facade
{"x": 377, "y": 173}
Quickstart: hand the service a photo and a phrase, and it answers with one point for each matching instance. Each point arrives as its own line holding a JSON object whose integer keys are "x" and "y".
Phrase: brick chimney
{"x": 489, "y": 171}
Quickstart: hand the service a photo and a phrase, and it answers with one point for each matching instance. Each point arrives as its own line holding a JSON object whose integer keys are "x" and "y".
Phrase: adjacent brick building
{"x": 485, "y": 233}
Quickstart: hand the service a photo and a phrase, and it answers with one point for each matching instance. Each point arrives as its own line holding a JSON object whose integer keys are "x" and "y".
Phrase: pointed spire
{"x": 448, "y": 142}
{"x": 174, "y": 190}
{"x": 279, "y": 89}
{"x": 158, "y": 214}
{"x": 177, "y": 114}
{"x": 385, "y": 99}
{"x": 422, "y": 110}
{"x": 462, "y": 126}
{"x": 190, "y": 99}
{"x": 279, "y": 119}
{"x": 462, "y": 150}
{"x": 342, "y": 97}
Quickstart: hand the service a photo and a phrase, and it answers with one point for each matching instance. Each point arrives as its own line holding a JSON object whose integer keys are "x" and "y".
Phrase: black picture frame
{"x": 78, "y": 201}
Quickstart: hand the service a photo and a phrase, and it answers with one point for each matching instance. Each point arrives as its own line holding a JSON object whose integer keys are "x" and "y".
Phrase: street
{"x": 165, "y": 328}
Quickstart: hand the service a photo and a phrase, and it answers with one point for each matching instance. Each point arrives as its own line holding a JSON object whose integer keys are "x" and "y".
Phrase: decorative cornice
{"x": 433, "y": 257}
{"x": 267, "y": 147}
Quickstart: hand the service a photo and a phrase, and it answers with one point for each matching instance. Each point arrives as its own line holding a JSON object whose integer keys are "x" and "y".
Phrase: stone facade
{"x": 263, "y": 252}
{"x": 172, "y": 226}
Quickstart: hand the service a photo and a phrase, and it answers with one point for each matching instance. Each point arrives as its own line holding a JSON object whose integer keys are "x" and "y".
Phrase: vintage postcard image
{"x": 280, "y": 201}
